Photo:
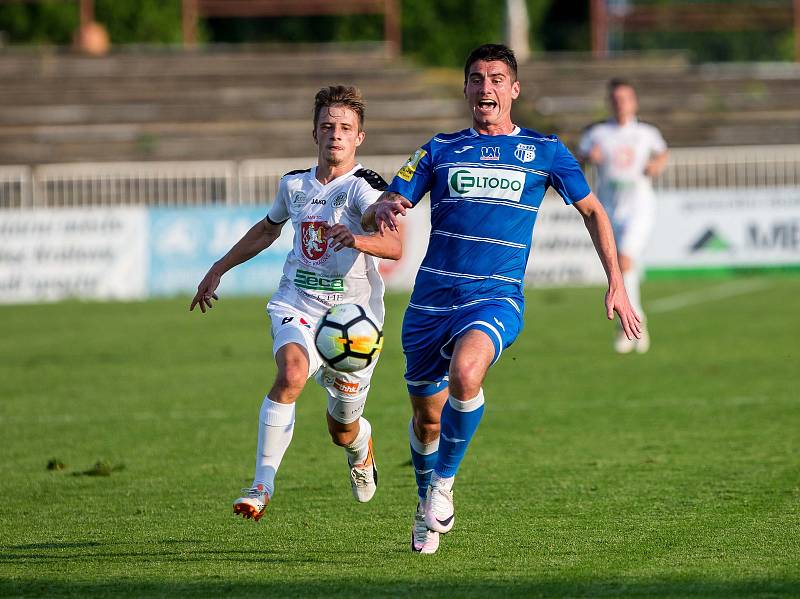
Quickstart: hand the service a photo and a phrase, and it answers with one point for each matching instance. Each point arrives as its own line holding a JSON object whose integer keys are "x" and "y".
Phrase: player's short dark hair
{"x": 340, "y": 95}
{"x": 617, "y": 82}
{"x": 489, "y": 52}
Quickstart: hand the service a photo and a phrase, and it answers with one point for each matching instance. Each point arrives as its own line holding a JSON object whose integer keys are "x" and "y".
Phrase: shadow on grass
{"x": 384, "y": 588}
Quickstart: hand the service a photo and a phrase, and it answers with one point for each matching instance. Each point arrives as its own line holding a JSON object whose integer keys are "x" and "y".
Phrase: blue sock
{"x": 460, "y": 420}
{"x": 423, "y": 456}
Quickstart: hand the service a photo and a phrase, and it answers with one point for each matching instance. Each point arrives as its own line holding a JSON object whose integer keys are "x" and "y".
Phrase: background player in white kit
{"x": 627, "y": 154}
{"x": 333, "y": 261}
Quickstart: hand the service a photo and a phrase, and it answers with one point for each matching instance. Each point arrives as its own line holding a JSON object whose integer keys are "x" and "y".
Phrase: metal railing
{"x": 256, "y": 181}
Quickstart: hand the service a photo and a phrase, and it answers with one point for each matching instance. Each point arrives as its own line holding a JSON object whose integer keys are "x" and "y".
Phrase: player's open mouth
{"x": 486, "y": 105}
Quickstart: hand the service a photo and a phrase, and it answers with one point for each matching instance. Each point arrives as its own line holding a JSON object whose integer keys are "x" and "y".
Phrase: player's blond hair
{"x": 340, "y": 95}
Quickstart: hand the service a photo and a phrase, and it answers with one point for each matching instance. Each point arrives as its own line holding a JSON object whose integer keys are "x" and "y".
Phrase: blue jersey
{"x": 485, "y": 193}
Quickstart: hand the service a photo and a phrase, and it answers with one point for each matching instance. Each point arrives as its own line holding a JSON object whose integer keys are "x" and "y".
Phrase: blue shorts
{"x": 428, "y": 339}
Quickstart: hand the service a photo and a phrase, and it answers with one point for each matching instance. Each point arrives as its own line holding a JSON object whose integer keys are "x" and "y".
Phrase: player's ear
{"x": 360, "y": 138}
{"x": 314, "y": 135}
{"x": 515, "y": 89}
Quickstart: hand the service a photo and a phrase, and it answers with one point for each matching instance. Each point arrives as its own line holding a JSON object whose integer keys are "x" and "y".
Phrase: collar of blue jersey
{"x": 514, "y": 132}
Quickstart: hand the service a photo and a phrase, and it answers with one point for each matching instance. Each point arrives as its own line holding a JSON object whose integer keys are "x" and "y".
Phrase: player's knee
{"x": 291, "y": 379}
{"x": 466, "y": 378}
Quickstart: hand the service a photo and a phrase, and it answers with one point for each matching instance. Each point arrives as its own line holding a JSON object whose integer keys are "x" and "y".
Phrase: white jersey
{"x": 314, "y": 276}
{"x": 626, "y": 151}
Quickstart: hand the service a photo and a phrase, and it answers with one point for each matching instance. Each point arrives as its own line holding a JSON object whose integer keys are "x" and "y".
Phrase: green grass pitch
{"x": 671, "y": 474}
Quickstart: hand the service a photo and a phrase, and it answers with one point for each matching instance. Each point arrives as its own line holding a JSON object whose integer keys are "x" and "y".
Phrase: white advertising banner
{"x": 713, "y": 228}
{"x": 562, "y": 251}
{"x": 48, "y": 255}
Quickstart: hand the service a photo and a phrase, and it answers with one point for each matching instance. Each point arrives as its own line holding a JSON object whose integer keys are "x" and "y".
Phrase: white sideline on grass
{"x": 707, "y": 294}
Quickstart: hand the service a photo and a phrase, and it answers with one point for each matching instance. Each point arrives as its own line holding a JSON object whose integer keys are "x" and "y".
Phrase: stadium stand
{"x": 255, "y": 103}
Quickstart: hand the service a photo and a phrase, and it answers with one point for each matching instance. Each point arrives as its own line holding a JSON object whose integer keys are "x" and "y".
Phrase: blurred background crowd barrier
{"x": 139, "y": 140}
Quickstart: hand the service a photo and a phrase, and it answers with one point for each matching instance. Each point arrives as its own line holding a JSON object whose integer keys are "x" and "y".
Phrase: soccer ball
{"x": 347, "y": 338}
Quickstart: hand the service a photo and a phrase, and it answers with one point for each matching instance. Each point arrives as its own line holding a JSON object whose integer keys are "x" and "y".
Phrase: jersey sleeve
{"x": 659, "y": 146}
{"x": 279, "y": 211}
{"x": 365, "y": 196}
{"x": 415, "y": 177}
{"x": 566, "y": 176}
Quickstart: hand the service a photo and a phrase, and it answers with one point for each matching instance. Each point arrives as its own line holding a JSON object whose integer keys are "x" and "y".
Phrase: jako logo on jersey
{"x": 312, "y": 239}
{"x": 486, "y": 183}
{"x": 318, "y": 201}
{"x": 305, "y": 279}
{"x": 298, "y": 197}
{"x": 490, "y": 153}
{"x": 410, "y": 167}
{"x": 339, "y": 200}
{"x": 525, "y": 153}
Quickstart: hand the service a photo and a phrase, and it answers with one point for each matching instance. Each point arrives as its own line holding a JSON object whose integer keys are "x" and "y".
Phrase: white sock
{"x": 442, "y": 481}
{"x": 276, "y": 426}
{"x": 358, "y": 450}
{"x": 631, "y": 279}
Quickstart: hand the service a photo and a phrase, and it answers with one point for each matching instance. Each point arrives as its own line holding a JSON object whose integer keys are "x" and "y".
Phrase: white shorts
{"x": 347, "y": 391}
{"x": 632, "y": 214}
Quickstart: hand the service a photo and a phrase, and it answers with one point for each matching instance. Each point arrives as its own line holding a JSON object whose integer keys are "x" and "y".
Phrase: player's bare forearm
{"x": 657, "y": 164}
{"x": 381, "y": 215}
{"x": 387, "y": 245}
{"x": 602, "y": 234}
{"x": 616, "y": 300}
{"x": 259, "y": 237}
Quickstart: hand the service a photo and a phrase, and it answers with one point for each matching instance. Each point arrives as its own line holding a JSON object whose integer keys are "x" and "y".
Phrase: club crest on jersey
{"x": 525, "y": 153}
{"x": 312, "y": 240}
{"x": 339, "y": 200}
{"x": 490, "y": 153}
{"x": 298, "y": 198}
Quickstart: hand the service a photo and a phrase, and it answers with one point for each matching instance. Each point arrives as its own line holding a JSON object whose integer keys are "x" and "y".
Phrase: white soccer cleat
{"x": 423, "y": 539}
{"x": 439, "y": 510}
{"x": 252, "y": 503}
{"x": 623, "y": 345}
{"x": 364, "y": 477}
{"x": 643, "y": 344}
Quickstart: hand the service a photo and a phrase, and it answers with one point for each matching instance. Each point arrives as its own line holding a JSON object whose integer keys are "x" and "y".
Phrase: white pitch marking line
{"x": 709, "y": 294}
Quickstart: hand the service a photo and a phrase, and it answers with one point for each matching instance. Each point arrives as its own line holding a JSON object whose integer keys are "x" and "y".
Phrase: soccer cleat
{"x": 623, "y": 345}
{"x": 439, "y": 510}
{"x": 252, "y": 503}
{"x": 364, "y": 477}
{"x": 643, "y": 344}
{"x": 423, "y": 539}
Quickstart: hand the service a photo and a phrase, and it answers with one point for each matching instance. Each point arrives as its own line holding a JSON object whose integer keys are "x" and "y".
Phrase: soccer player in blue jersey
{"x": 486, "y": 184}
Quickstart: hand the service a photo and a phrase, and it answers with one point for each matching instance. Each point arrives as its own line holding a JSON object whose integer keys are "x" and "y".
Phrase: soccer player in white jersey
{"x": 628, "y": 154}
{"x": 486, "y": 184}
{"x": 333, "y": 261}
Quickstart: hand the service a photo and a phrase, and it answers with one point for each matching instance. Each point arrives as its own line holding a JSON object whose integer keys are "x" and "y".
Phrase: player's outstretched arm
{"x": 656, "y": 165}
{"x": 258, "y": 238}
{"x": 599, "y": 227}
{"x": 382, "y": 215}
{"x": 388, "y": 245}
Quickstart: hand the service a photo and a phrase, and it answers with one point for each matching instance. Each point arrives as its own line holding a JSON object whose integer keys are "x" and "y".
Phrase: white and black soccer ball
{"x": 348, "y": 338}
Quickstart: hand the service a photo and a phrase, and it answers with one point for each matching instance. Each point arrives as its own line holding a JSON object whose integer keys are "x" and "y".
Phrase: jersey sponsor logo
{"x": 312, "y": 240}
{"x": 462, "y": 150}
{"x": 339, "y": 200}
{"x": 318, "y": 202}
{"x": 298, "y": 198}
{"x": 496, "y": 183}
{"x": 306, "y": 279}
{"x": 406, "y": 173}
{"x": 301, "y": 320}
{"x": 525, "y": 153}
{"x": 345, "y": 387}
{"x": 490, "y": 153}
